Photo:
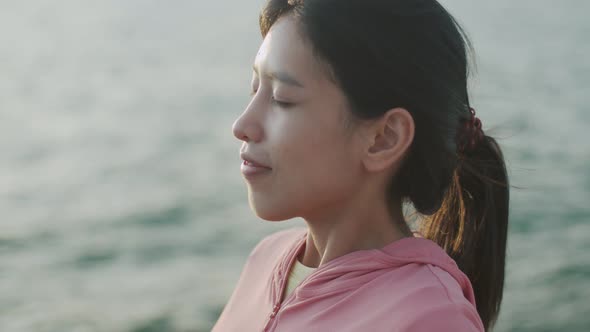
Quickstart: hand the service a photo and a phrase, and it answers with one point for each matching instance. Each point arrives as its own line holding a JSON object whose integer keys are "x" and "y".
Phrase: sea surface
{"x": 122, "y": 208}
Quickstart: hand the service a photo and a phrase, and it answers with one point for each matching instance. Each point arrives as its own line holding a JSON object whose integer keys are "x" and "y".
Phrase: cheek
{"x": 317, "y": 165}
{"x": 310, "y": 147}
{"x": 314, "y": 166}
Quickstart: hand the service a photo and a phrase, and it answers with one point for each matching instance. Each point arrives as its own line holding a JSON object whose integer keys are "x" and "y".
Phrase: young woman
{"x": 359, "y": 107}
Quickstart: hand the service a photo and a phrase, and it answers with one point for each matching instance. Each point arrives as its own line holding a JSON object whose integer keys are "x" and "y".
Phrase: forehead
{"x": 284, "y": 49}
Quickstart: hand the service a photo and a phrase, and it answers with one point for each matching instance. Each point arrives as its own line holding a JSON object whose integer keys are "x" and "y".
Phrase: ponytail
{"x": 472, "y": 223}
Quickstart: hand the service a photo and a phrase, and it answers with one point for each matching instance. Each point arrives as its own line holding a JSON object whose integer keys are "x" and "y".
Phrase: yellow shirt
{"x": 297, "y": 274}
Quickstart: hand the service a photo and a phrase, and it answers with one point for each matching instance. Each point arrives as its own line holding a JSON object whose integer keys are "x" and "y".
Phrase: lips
{"x": 252, "y": 162}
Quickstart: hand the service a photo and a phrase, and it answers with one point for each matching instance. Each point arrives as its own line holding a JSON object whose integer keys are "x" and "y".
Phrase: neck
{"x": 360, "y": 227}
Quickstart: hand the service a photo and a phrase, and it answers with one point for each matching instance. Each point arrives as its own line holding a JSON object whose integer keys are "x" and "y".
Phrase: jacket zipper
{"x": 269, "y": 326}
{"x": 271, "y": 317}
{"x": 277, "y": 304}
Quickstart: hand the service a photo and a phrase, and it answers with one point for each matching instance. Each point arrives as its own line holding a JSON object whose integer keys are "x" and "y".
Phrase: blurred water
{"x": 122, "y": 204}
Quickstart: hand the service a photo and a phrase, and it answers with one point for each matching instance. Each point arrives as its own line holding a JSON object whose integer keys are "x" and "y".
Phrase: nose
{"x": 247, "y": 126}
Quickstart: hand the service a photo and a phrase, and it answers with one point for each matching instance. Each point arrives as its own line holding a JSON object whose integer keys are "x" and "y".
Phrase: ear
{"x": 390, "y": 138}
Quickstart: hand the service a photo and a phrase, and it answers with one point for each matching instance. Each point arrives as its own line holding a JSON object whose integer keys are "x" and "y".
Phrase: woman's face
{"x": 295, "y": 125}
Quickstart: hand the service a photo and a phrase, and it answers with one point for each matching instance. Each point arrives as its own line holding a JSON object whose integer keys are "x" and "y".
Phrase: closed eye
{"x": 282, "y": 104}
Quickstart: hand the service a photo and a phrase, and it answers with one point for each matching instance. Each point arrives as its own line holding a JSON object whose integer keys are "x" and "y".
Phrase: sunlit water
{"x": 122, "y": 204}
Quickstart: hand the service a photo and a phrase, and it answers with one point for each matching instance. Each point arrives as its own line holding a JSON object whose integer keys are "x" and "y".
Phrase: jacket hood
{"x": 356, "y": 268}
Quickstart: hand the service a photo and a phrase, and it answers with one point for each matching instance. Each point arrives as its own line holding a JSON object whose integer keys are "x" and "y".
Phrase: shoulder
{"x": 439, "y": 303}
{"x": 445, "y": 317}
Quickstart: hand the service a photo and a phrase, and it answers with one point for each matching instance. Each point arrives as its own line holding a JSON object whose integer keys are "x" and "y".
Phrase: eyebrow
{"x": 281, "y": 76}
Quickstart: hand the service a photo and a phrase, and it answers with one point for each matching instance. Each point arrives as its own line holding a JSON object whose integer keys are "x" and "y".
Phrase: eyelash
{"x": 281, "y": 104}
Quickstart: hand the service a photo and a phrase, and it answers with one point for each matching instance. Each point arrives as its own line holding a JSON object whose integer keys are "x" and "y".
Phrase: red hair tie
{"x": 470, "y": 133}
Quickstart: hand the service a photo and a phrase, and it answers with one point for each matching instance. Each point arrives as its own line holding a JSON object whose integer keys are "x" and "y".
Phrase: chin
{"x": 270, "y": 212}
{"x": 270, "y": 215}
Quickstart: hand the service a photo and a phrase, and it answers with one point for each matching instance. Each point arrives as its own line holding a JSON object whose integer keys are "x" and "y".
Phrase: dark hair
{"x": 413, "y": 54}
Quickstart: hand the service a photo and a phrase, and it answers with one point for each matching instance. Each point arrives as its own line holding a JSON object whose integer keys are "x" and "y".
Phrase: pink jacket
{"x": 409, "y": 285}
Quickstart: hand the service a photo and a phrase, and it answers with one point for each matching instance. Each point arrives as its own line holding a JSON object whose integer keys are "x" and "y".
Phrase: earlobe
{"x": 392, "y": 136}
